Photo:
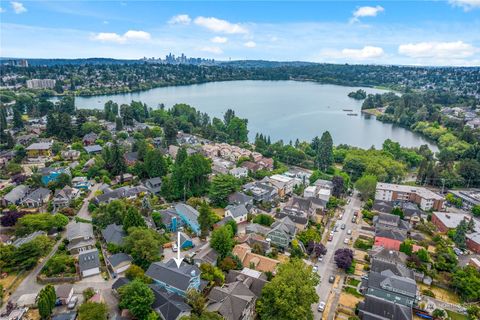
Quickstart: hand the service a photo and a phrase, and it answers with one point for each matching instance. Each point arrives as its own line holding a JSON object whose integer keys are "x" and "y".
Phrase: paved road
{"x": 83, "y": 212}
{"x": 327, "y": 267}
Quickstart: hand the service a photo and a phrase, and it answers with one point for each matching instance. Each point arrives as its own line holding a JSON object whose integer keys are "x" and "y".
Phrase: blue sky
{"x": 379, "y": 32}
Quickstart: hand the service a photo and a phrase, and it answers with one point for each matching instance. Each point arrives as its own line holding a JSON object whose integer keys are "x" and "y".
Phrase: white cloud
{"x": 219, "y": 25}
{"x": 366, "y": 12}
{"x": 367, "y": 52}
{"x": 134, "y": 35}
{"x": 250, "y": 44}
{"x": 467, "y": 5}
{"x": 453, "y": 50}
{"x": 180, "y": 19}
{"x": 18, "y": 7}
{"x": 214, "y": 50}
{"x": 219, "y": 40}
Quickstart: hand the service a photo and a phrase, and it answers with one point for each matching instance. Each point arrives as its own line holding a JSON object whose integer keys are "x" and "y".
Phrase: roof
{"x": 16, "y": 193}
{"x": 93, "y": 148}
{"x": 114, "y": 233}
{"x": 286, "y": 225}
{"x": 230, "y": 300}
{"x": 92, "y": 136}
{"x": 257, "y": 228}
{"x": 168, "y": 305}
{"x": 387, "y": 243}
{"x": 187, "y": 211}
{"x": 374, "y": 308}
{"x": 398, "y": 269}
{"x": 119, "y": 258}
{"x": 131, "y": 156}
{"x": 63, "y": 291}
{"x": 17, "y": 243}
{"x": 120, "y": 282}
{"x": 296, "y": 217}
{"x": 154, "y": 181}
{"x": 394, "y": 234}
{"x": 387, "y": 280}
{"x": 237, "y": 210}
{"x": 88, "y": 259}
{"x": 39, "y": 146}
{"x": 79, "y": 230}
{"x": 451, "y": 220}
{"x": 255, "y": 283}
{"x": 207, "y": 254}
{"x": 169, "y": 274}
{"x": 262, "y": 263}
{"x": 122, "y": 192}
{"x": 37, "y": 195}
{"x": 72, "y": 315}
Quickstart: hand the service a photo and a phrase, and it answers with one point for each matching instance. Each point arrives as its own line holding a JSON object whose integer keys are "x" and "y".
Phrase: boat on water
{"x": 347, "y": 110}
{"x": 352, "y": 114}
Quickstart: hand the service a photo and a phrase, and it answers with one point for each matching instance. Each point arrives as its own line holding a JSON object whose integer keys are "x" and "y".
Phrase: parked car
{"x": 340, "y": 216}
{"x": 346, "y": 241}
{"x": 330, "y": 238}
{"x": 331, "y": 233}
{"x": 314, "y": 269}
{"x": 72, "y": 303}
{"x": 355, "y": 214}
{"x": 349, "y": 231}
{"x": 320, "y": 259}
{"x": 174, "y": 248}
{"x": 343, "y": 226}
{"x": 321, "y": 306}
{"x": 331, "y": 279}
{"x": 457, "y": 251}
{"x": 354, "y": 220}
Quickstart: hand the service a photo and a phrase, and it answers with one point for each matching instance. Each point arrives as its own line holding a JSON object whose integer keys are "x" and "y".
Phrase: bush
{"x": 263, "y": 219}
{"x": 363, "y": 244}
{"x": 428, "y": 293}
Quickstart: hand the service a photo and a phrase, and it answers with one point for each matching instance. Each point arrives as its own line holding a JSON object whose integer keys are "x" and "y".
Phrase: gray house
{"x": 173, "y": 279}
{"x": 16, "y": 195}
{"x": 64, "y": 197}
{"x": 36, "y": 198}
{"x": 80, "y": 237}
{"x": 282, "y": 233}
{"x": 114, "y": 233}
{"x": 89, "y": 263}
{"x": 233, "y": 301}
{"x": 154, "y": 185}
{"x": 386, "y": 285}
{"x": 375, "y": 308}
{"x": 239, "y": 212}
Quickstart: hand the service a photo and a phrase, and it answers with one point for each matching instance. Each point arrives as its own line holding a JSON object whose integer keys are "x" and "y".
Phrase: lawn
{"x": 352, "y": 291}
{"x": 442, "y": 294}
{"x": 456, "y": 316}
{"x": 220, "y": 212}
{"x": 348, "y": 300}
{"x": 353, "y": 282}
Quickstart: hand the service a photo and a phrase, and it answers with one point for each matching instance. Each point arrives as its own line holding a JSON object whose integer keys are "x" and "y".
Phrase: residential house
{"x": 376, "y": 308}
{"x": 239, "y": 172}
{"x": 233, "y": 301}
{"x": 114, "y": 234}
{"x": 154, "y": 185}
{"x": 39, "y": 149}
{"x": 80, "y": 237}
{"x": 206, "y": 254}
{"x": 81, "y": 183}
{"x": 238, "y": 212}
{"x": 51, "y": 174}
{"x": 189, "y": 216}
{"x": 241, "y": 198}
{"x": 255, "y": 228}
{"x": 185, "y": 241}
{"x": 20, "y": 241}
{"x": 169, "y": 305}
{"x": 36, "y": 198}
{"x": 119, "y": 262}
{"x": 89, "y": 263}
{"x": 62, "y": 198}
{"x": 283, "y": 184}
{"x": 93, "y": 149}
{"x": 89, "y": 139}
{"x": 470, "y": 197}
{"x": 386, "y": 285}
{"x": 175, "y": 279}
{"x": 255, "y": 280}
{"x": 26, "y": 139}
{"x": 90, "y": 163}
{"x": 16, "y": 195}
{"x": 425, "y": 198}
{"x": 127, "y": 192}
{"x": 64, "y": 293}
{"x": 260, "y": 191}
{"x": 117, "y": 284}
{"x": 255, "y": 240}
{"x": 171, "y": 219}
{"x": 72, "y": 315}
{"x": 282, "y": 232}
{"x": 70, "y": 155}
{"x": 253, "y": 260}
{"x": 130, "y": 158}
{"x": 251, "y": 166}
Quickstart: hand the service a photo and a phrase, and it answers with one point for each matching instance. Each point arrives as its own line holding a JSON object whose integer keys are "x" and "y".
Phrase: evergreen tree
{"x": 133, "y": 218}
{"x": 155, "y": 163}
{"x": 46, "y": 301}
{"x": 117, "y": 162}
{"x": 118, "y": 124}
{"x": 17, "y": 119}
{"x": 325, "y": 152}
{"x": 205, "y": 218}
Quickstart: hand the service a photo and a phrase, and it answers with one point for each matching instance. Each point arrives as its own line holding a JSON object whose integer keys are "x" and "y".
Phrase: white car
{"x": 340, "y": 216}
{"x": 346, "y": 241}
{"x": 320, "y": 259}
{"x": 321, "y": 306}
{"x": 349, "y": 231}
{"x": 174, "y": 248}
{"x": 314, "y": 269}
{"x": 72, "y": 303}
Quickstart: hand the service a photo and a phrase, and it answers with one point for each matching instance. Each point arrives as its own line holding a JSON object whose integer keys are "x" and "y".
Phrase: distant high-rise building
{"x": 41, "y": 84}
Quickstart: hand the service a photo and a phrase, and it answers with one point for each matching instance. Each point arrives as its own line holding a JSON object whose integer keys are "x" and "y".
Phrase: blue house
{"x": 173, "y": 279}
{"x": 171, "y": 219}
{"x": 185, "y": 241}
{"x": 189, "y": 216}
{"x": 51, "y": 174}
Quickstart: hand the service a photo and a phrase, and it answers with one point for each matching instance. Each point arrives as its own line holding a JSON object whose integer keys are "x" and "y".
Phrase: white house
{"x": 237, "y": 212}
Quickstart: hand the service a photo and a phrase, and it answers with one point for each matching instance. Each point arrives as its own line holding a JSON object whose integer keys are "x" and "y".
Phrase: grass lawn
{"x": 456, "y": 316}
{"x": 442, "y": 294}
{"x": 352, "y": 291}
{"x": 348, "y": 300}
{"x": 353, "y": 282}
{"x": 220, "y": 212}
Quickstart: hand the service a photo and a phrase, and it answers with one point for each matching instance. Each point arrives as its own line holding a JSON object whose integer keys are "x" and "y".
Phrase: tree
{"x": 407, "y": 247}
{"x": 93, "y": 311}
{"x": 137, "y": 297}
{"x": 309, "y": 235}
{"x": 423, "y": 255}
{"x": 398, "y": 212}
{"x": 46, "y": 301}
{"x": 439, "y": 313}
{"x": 143, "y": 245}
{"x": 476, "y": 210}
{"x": 135, "y": 272}
{"x": 212, "y": 274}
{"x": 366, "y": 185}
{"x": 197, "y": 301}
{"x": 263, "y": 219}
{"x": 170, "y": 130}
{"x": 222, "y": 241}
{"x": 133, "y": 218}
{"x": 155, "y": 163}
{"x": 343, "y": 258}
{"x": 325, "y": 152}
{"x": 40, "y": 221}
{"x": 237, "y": 130}
{"x": 290, "y": 294}
{"x": 338, "y": 186}
{"x": 17, "y": 119}
{"x": 459, "y": 237}
{"x": 205, "y": 218}
{"x": 116, "y": 162}
{"x": 467, "y": 282}
{"x": 118, "y": 124}
{"x": 221, "y": 187}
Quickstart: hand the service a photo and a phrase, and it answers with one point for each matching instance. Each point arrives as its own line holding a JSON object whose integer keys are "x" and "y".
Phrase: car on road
{"x": 335, "y": 229}
{"x": 355, "y": 214}
{"x": 340, "y": 216}
{"x": 321, "y": 306}
{"x": 330, "y": 238}
{"x": 349, "y": 231}
{"x": 331, "y": 233}
{"x": 354, "y": 220}
{"x": 331, "y": 279}
{"x": 343, "y": 226}
{"x": 346, "y": 241}
{"x": 314, "y": 269}
{"x": 320, "y": 259}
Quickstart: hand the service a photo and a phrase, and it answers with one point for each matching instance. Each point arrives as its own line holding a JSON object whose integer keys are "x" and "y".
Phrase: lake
{"x": 281, "y": 109}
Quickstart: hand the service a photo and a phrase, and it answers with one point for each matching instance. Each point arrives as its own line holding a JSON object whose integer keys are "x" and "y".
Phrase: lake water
{"x": 282, "y": 109}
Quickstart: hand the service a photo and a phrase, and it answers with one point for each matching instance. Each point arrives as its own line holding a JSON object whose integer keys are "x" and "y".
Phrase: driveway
{"x": 327, "y": 267}
{"x": 83, "y": 212}
{"x": 168, "y": 254}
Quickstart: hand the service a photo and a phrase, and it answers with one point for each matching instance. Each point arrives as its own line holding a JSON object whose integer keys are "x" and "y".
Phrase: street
{"x": 327, "y": 267}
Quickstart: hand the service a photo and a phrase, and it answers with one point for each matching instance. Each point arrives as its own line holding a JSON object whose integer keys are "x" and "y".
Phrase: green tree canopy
{"x": 137, "y": 297}
{"x": 221, "y": 187}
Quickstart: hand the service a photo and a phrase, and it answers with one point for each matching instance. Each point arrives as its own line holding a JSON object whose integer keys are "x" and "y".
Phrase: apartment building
{"x": 424, "y": 198}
